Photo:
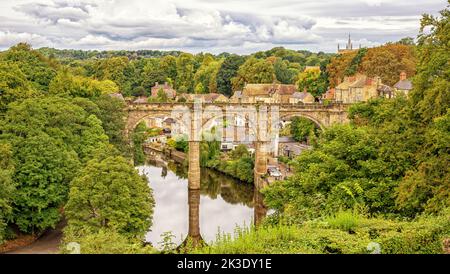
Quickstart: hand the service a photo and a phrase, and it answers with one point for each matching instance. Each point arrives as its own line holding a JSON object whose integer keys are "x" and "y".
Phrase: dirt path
{"x": 48, "y": 243}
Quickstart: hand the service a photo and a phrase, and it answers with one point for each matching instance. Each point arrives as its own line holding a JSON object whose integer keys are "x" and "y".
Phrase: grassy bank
{"x": 339, "y": 235}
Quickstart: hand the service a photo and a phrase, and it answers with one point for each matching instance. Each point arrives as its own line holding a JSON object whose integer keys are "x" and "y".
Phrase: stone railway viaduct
{"x": 259, "y": 123}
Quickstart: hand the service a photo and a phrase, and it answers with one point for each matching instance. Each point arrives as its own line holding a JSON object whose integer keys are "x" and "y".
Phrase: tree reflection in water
{"x": 222, "y": 203}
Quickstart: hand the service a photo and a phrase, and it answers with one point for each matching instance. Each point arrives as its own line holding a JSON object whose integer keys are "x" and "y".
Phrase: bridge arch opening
{"x": 289, "y": 117}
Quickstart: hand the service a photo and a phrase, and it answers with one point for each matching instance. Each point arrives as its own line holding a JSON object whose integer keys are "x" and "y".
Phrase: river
{"x": 221, "y": 204}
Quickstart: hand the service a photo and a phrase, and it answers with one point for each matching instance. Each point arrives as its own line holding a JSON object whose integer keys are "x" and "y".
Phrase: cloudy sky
{"x": 209, "y": 25}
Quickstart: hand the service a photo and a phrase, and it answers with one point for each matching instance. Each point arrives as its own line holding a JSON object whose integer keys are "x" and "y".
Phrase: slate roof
{"x": 404, "y": 85}
{"x": 300, "y": 95}
{"x": 267, "y": 89}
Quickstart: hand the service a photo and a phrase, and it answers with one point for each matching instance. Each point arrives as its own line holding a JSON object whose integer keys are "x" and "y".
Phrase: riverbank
{"x": 47, "y": 243}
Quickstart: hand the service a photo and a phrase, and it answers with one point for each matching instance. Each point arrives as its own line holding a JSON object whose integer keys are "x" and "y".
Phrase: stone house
{"x": 207, "y": 98}
{"x": 301, "y": 97}
{"x": 357, "y": 88}
{"x": 268, "y": 93}
{"x": 403, "y": 85}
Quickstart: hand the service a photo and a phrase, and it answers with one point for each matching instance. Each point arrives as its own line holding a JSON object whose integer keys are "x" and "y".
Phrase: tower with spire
{"x": 348, "y": 46}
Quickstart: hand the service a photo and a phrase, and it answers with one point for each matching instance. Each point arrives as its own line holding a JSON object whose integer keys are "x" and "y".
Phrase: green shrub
{"x": 104, "y": 241}
{"x": 344, "y": 220}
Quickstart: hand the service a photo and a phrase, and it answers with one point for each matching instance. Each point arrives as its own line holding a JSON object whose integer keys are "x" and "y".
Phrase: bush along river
{"x": 222, "y": 204}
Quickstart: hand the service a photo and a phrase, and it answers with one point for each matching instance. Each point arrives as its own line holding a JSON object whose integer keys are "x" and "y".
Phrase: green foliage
{"x": 340, "y": 172}
{"x": 37, "y": 69}
{"x": 111, "y": 114}
{"x": 162, "y": 96}
{"x": 104, "y": 241}
{"x": 169, "y": 65}
{"x": 50, "y": 138}
{"x": 356, "y": 62}
{"x": 185, "y": 73}
{"x": 303, "y": 129}
{"x": 226, "y": 72}
{"x": 7, "y": 187}
{"x": 344, "y": 220}
{"x": 205, "y": 77}
{"x": 407, "y": 41}
{"x": 283, "y": 72}
{"x": 152, "y": 73}
{"x": 238, "y": 163}
{"x": 431, "y": 96}
{"x": 139, "y": 136}
{"x": 64, "y": 84}
{"x": 167, "y": 243}
{"x": 114, "y": 69}
{"x": 109, "y": 193}
{"x": 255, "y": 71}
{"x": 14, "y": 85}
{"x": 312, "y": 80}
{"x": 179, "y": 143}
{"x": 44, "y": 170}
{"x": 423, "y": 236}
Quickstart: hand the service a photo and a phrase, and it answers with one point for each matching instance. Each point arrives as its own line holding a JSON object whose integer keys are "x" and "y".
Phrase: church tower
{"x": 348, "y": 46}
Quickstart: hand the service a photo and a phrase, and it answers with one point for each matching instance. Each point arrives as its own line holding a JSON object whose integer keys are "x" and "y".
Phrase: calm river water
{"x": 224, "y": 203}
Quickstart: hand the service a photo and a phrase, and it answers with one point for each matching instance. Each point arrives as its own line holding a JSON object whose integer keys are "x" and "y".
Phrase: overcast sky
{"x": 209, "y": 25}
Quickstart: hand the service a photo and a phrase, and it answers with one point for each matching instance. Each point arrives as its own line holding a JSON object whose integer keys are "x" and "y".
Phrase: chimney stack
{"x": 402, "y": 76}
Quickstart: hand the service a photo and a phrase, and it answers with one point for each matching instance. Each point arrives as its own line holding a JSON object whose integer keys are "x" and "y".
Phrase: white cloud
{"x": 204, "y": 25}
{"x": 11, "y": 38}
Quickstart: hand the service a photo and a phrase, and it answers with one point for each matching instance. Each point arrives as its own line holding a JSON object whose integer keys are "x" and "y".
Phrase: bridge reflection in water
{"x": 221, "y": 203}
{"x": 194, "y": 237}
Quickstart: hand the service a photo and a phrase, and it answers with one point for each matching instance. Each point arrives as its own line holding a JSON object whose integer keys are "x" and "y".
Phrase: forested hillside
{"x": 385, "y": 61}
{"x": 59, "y": 131}
{"x": 135, "y": 72}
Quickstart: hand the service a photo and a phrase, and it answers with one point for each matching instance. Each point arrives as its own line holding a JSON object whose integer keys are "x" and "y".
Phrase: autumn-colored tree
{"x": 388, "y": 61}
{"x": 337, "y": 67}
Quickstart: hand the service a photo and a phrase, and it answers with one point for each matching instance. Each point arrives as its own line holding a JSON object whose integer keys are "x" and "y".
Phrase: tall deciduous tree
{"x": 112, "y": 113}
{"x": 310, "y": 80}
{"x": 185, "y": 73}
{"x": 109, "y": 193}
{"x": 255, "y": 71}
{"x": 388, "y": 61}
{"x": 44, "y": 169}
{"x": 38, "y": 69}
{"x": 14, "y": 85}
{"x": 206, "y": 75}
{"x": 6, "y": 187}
{"x": 226, "y": 72}
{"x": 169, "y": 65}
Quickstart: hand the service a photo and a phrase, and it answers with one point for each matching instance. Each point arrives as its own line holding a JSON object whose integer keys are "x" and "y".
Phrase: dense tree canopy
{"x": 38, "y": 69}
{"x": 7, "y": 187}
{"x": 256, "y": 71}
{"x": 108, "y": 193}
{"x": 227, "y": 71}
